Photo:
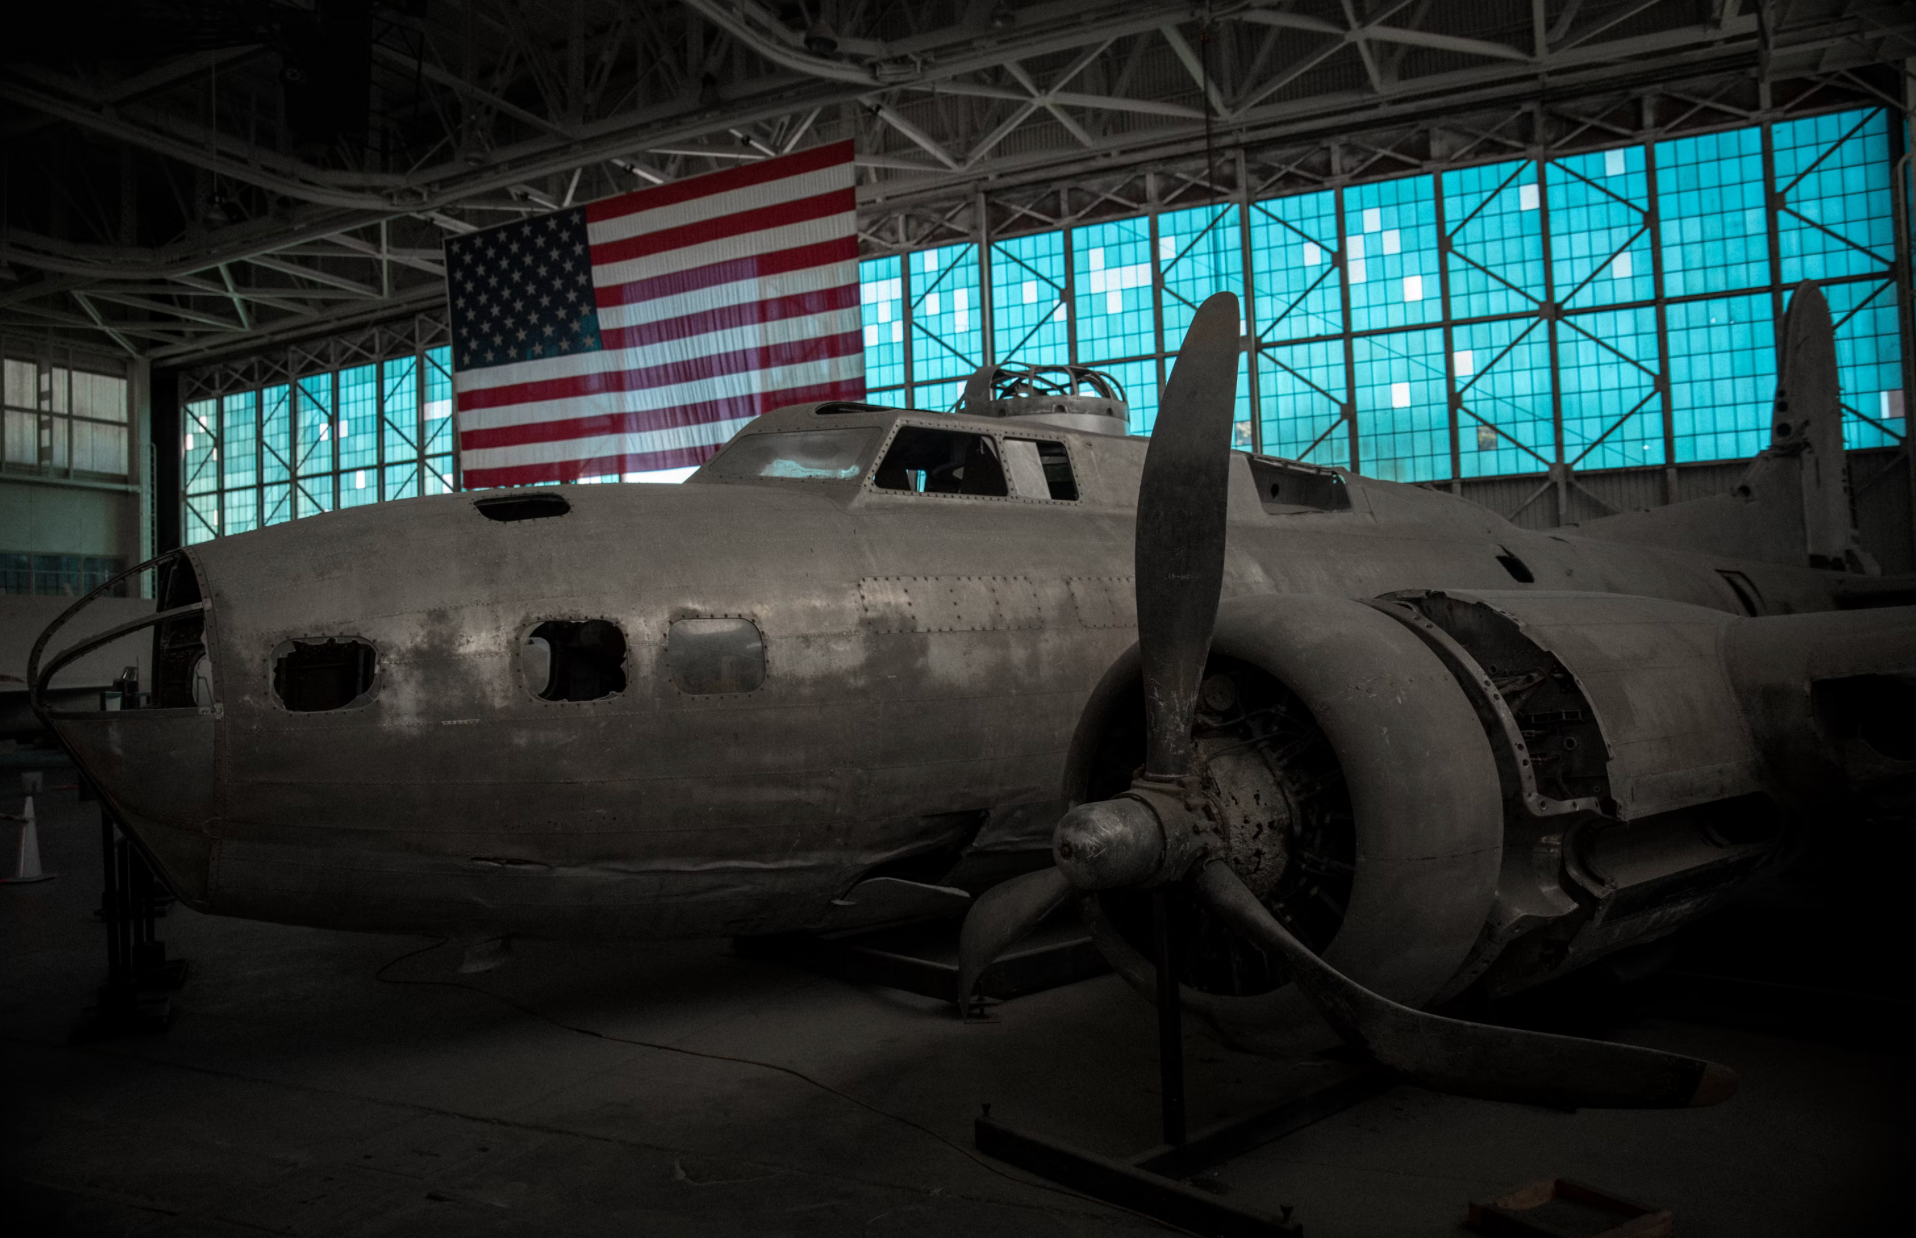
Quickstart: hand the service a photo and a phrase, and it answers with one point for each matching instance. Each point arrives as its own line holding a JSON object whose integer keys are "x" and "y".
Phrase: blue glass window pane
{"x": 1113, "y": 269}
{"x": 1505, "y": 422}
{"x": 947, "y": 319}
{"x": 358, "y": 487}
{"x": 312, "y": 495}
{"x": 438, "y": 475}
{"x": 399, "y": 409}
{"x": 938, "y": 397}
{"x": 1495, "y": 217}
{"x": 891, "y": 397}
{"x": 1029, "y": 323}
{"x": 239, "y": 442}
{"x": 1712, "y": 215}
{"x": 1200, "y": 251}
{"x": 199, "y": 449}
{"x": 1403, "y": 421}
{"x": 1599, "y": 228}
{"x": 1390, "y": 249}
{"x": 1833, "y": 173}
{"x": 277, "y": 502}
{"x": 357, "y": 425}
{"x": 202, "y": 518}
{"x": 240, "y": 510}
{"x": 1242, "y": 430}
{"x": 313, "y": 412}
{"x": 438, "y": 401}
{"x": 1302, "y": 390}
{"x": 276, "y": 434}
{"x": 1607, "y": 365}
{"x": 1294, "y": 267}
{"x": 1869, "y": 363}
{"x": 400, "y": 481}
{"x": 1140, "y": 382}
{"x": 1722, "y": 376}
{"x": 881, "y": 295}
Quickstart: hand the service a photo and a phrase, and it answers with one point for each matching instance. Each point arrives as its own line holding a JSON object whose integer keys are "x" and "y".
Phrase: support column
{"x": 1249, "y": 343}
{"x": 1903, "y": 218}
{"x": 1552, "y": 313}
{"x": 1344, "y": 298}
{"x": 1654, "y": 217}
{"x": 987, "y": 324}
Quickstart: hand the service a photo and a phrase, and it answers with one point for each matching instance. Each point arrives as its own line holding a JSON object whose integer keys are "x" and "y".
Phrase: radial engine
{"x": 1440, "y": 789}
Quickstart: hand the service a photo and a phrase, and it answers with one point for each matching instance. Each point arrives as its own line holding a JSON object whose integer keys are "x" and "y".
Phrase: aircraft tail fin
{"x": 1792, "y": 504}
{"x": 1808, "y": 422}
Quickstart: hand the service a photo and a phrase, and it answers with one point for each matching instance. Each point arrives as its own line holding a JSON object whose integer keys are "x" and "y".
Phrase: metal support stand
{"x": 1170, "y": 1023}
{"x": 138, "y": 973}
{"x": 1156, "y": 1182}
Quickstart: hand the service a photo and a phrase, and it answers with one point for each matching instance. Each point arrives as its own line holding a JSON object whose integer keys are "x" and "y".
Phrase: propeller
{"x": 1160, "y": 830}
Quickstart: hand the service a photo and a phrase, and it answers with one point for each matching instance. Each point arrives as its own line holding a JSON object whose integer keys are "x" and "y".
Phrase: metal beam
{"x": 890, "y": 116}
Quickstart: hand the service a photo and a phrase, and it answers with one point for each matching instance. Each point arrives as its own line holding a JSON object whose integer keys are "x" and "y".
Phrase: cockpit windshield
{"x": 796, "y": 455}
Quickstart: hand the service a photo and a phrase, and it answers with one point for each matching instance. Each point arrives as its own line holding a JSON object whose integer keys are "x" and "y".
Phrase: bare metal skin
{"x": 927, "y": 657}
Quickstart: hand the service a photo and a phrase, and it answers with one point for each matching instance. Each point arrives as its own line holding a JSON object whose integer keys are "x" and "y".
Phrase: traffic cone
{"x": 28, "y": 868}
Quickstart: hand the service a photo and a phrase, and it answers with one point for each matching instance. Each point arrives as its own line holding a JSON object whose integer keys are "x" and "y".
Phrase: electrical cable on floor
{"x": 800, "y": 1075}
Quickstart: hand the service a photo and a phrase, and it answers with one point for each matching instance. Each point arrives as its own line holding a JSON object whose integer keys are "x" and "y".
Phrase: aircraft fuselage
{"x": 925, "y": 659}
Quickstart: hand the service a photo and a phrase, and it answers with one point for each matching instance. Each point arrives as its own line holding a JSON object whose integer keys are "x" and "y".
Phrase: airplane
{"x": 1389, "y": 745}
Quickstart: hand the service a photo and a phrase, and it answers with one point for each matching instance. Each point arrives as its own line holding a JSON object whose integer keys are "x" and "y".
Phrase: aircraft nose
{"x": 153, "y": 761}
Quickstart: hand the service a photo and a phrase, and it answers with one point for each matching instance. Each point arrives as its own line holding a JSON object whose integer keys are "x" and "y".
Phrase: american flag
{"x": 640, "y": 332}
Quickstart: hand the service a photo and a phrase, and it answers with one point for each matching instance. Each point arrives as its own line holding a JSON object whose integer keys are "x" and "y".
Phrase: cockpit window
{"x": 1288, "y": 488}
{"x": 1040, "y": 469}
{"x": 796, "y": 455}
{"x": 927, "y": 461}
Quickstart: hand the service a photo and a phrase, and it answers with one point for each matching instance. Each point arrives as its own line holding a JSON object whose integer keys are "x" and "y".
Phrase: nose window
{"x": 574, "y": 661}
{"x": 315, "y": 676}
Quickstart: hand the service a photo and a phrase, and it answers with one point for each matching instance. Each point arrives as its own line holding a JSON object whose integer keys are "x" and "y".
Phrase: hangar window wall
{"x": 64, "y": 419}
{"x": 336, "y": 439}
{"x": 1600, "y": 310}
{"x": 1608, "y": 309}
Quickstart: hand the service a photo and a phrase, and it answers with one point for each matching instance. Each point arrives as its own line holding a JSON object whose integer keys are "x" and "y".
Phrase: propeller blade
{"x": 1180, "y": 537}
{"x": 999, "y": 917}
{"x": 1472, "y": 1059}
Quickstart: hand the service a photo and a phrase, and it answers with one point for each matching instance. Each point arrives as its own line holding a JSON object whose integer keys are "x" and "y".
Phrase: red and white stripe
{"x": 719, "y": 298}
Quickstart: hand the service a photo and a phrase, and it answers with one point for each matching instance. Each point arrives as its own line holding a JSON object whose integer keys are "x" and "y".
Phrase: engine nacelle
{"x": 1436, "y": 789}
{"x": 1359, "y": 793}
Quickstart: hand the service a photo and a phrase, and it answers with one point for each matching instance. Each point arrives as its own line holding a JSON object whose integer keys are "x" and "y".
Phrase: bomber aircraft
{"x": 1392, "y": 745}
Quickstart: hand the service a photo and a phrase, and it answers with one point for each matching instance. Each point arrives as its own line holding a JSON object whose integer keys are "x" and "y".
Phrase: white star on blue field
{"x": 522, "y": 292}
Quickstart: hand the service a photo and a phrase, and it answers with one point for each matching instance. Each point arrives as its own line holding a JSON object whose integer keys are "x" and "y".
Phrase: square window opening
{"x": 574, "y": 661}
{"x": 1040, "y": 469}
{"x": 926, "y": 461}
{"x": 317, "y": 676}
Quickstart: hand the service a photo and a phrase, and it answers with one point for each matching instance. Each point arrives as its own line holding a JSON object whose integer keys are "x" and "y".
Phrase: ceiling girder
{"x": 528, "y": 107}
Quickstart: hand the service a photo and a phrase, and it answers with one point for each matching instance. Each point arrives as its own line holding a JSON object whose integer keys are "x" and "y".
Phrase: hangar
{"x": 1553, "y": 321}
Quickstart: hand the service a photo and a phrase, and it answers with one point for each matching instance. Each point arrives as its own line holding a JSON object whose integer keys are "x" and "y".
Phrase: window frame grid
{"x": 53, "y": 416}
{"x": 1263, "y": 352}
{"x": 322, "y": 487}
{"x": 1647, "y": 233}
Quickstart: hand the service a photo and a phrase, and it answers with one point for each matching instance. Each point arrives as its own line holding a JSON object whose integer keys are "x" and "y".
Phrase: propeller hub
{"x": 1109, "y": 845}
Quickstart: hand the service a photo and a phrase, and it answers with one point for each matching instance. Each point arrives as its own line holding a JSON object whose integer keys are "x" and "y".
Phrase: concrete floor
{"x": 298, "y": 1093}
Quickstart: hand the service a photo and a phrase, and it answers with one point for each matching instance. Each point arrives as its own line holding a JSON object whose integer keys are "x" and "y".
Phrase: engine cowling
{"x": 1435, "y": 789}
{"x": 1383, "y": 792}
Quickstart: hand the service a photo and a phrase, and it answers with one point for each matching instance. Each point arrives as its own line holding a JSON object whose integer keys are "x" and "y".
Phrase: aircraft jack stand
{"x": 1157, "y": 1182}
{"x": 133, "y": 1000}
